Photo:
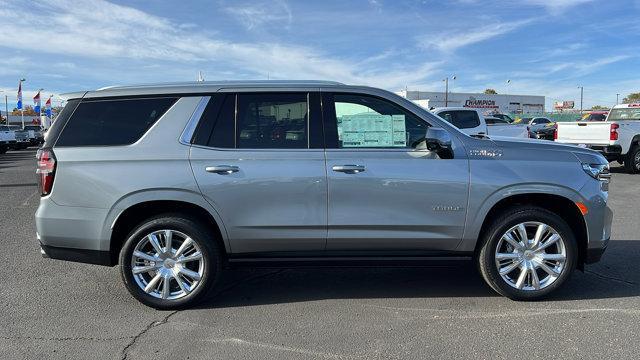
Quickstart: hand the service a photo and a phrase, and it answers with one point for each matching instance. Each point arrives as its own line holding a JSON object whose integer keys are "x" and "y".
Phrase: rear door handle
{"x": 222, "y": 169}
{"x": 349, "y": 169}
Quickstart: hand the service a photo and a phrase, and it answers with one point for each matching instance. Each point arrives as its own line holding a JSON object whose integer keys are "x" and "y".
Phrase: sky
{"x": 544, "y": 47}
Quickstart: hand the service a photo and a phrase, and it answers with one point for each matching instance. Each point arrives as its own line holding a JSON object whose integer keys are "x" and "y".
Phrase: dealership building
{"x": 487, "y": 103}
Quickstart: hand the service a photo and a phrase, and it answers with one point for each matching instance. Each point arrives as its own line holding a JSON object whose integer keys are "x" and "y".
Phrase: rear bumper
{"x": 71, "y": 231}
{"x": 77, "y": 255}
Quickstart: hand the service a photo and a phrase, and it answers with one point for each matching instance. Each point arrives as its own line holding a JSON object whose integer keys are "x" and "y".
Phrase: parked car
{"x": 595, "y": 116}
{"x": 617, "y": 138}
{"x": 504, "y": 117}
{"x": 546, "y": 132}
{"x": 7, "y": 139}
{"x": 490, "y": 120}
{"x": 472, "y": 122}
{"x": 22, "y": 137}
{"x": 252, "y": 173}
{"x": 36, "y": 134}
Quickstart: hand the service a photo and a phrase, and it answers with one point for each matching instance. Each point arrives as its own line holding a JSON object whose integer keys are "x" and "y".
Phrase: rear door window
{"x": 112, "y": 122}
{"x": 272, "y": 121}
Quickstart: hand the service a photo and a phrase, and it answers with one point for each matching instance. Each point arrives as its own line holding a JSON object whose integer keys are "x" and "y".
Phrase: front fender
{"x": 479, "y": 211}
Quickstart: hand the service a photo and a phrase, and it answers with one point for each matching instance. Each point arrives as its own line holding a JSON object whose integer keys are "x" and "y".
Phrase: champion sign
{"x": 483, "y": 104}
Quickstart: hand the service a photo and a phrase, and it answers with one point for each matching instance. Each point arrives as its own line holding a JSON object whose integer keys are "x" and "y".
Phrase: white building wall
{"x": 498, "y": 103}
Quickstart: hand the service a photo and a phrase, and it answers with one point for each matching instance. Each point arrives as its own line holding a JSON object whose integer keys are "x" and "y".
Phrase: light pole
{"x": 446, "y": 89}
{"x": 617, "y": 99}
{"x": 5, "y": 108}
{"x": 22, "y": 107}
{"x": 581, "y": 97}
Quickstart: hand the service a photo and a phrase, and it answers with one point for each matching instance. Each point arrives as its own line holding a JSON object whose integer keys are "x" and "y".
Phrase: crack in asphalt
{"x": 79, "y": 338}
{"x": 135, "y": 338}
{"x": 165, "y": 319}
{"x": 612, "y": 278}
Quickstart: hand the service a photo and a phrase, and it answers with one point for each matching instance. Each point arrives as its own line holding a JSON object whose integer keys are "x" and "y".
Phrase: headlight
{"x": 597, "y": 171}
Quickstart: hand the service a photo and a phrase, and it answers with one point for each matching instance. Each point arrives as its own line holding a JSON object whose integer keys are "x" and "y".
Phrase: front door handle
{"x": 222, "y": 169}
{"x": 349, "y": 169}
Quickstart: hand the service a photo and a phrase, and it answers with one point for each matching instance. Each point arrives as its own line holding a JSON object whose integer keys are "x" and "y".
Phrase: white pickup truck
{"x": 472, "y": 122}
{"x": 617, "y": 138}
{"x": 7, "y": 138}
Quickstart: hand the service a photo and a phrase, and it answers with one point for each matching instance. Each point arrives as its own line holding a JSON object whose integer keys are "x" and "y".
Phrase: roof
{"x": 198, "y": 87}
{"x": 624, "y": 106}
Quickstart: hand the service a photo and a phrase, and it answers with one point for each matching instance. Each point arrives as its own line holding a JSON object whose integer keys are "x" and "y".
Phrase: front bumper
{"x": 611, "y": 152}
{"x": 595, "y": 254}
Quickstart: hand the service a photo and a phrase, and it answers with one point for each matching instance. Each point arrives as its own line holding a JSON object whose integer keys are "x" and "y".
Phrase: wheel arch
{"x": 133, "y": 209}
{"x": 558, "y": 204}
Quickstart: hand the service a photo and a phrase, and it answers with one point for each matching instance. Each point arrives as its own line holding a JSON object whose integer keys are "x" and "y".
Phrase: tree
{"x": 28, "y": 110}
{"x": 490, "y": 91}
{"x": 599, "y": 107}
{"x": 633, "y": 97}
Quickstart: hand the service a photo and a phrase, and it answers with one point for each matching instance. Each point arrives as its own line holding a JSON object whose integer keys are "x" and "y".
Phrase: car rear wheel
{"x": 527, "y": 253}
{"x": 632, "y": 162}
{"x": 170, "y": 262}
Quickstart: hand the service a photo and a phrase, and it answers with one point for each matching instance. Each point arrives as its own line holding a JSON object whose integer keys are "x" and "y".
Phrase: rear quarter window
{"x": 112, "y": 122}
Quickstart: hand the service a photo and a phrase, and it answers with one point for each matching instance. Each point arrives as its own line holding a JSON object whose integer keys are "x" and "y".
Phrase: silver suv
{"x": 176, "y": 182}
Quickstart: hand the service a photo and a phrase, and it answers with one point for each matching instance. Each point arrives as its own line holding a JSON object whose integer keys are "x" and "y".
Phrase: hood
{"x": 541, "y": 145}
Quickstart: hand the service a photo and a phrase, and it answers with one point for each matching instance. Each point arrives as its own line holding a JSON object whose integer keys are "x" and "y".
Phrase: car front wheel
{"x": 170, "y": 262}
{"x": 527, "y": 253}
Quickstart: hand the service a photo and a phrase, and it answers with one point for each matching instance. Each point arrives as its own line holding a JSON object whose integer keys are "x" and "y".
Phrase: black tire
{"x": 3, "y": 149}
{"x": 508, "y": 219}
{"x": 204, "y": 237}
{"x": 631, "y": 165}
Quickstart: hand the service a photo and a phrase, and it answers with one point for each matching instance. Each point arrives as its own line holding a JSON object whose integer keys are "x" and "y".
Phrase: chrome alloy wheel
{"x": 167, "y": 264}
{"x": 530, "y": 256}
{"x": 636, "y": 160}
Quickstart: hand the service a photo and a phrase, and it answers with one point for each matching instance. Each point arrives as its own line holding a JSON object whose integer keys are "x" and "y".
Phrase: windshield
{"x": 624, "y": 114}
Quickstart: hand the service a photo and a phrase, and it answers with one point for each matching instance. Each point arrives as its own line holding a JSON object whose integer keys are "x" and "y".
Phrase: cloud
{"x": 108, "y": 34}
{"x": 556, "y": 7}
{"x": 256, "y": 15}
{"x": 583, "y": 67}
{"x": 449, "y": 42}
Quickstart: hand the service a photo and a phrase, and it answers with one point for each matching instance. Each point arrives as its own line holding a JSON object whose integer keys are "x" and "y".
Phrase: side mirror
{"x": 437, "y": 139}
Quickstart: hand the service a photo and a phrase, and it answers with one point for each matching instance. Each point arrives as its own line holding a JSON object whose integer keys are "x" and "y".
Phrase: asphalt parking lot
{"x": 53, "y": 309}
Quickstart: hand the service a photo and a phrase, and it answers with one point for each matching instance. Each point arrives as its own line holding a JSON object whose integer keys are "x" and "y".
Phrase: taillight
{"x": 555, "y": 132}
{"x": 613, "y": 134}
{"x": 46, "y": 170}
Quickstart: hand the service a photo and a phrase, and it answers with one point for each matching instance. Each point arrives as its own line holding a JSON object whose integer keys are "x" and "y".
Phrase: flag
{"x": 19, "y": 95}
{"x": 37, "y": 103}
{"x": 47, "y": 107}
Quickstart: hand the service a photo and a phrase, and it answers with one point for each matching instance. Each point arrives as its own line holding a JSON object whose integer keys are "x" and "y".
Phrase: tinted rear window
{"x": 462, "y": 119}
{"x": 58, "y": 123}
{"x": 112, "y": 122}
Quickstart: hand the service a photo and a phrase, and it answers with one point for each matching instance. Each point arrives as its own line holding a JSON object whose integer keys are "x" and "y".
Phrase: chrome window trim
{"x": 187, "y": 133}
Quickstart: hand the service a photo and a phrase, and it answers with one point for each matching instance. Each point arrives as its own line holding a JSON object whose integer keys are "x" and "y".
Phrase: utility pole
{"x": 22, "y": 107}
{"x": 617, "y": 99}
{"x": 446, "y": 89}
{"x": 6, "y": 107}
{"x": 581, "y": 97}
